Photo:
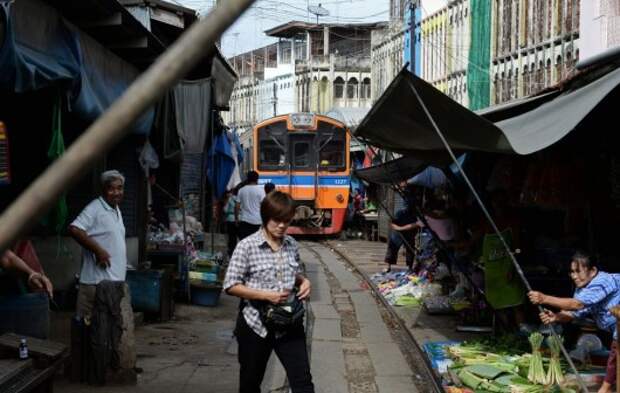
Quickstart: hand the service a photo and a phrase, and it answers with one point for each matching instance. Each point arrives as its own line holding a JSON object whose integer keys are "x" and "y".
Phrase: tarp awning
{"x": 398, "y": 123}
{"x": 400, "y": 169}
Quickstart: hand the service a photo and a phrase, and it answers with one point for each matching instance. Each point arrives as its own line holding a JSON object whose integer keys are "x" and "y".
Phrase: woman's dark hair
{"x": 277, "y": 206}
{"x": 269, "y": 187}
{"x": 584, "y": 260}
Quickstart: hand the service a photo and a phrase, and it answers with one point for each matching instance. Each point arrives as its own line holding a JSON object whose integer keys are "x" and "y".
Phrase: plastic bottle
{"x": 23, "y": 349}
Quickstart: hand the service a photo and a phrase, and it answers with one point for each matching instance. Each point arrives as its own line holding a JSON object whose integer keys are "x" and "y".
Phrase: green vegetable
{"x": 484, "y": 370}
{"x": 554, "y": 373}
{"x": 470, "y": 380}
{"x": 536, "y": 372}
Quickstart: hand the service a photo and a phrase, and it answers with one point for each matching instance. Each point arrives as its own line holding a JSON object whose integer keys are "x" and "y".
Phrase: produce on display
{"x": 498, "y": 365}
{"x": 536, "y": 371}
{"x": 554, "y": 373}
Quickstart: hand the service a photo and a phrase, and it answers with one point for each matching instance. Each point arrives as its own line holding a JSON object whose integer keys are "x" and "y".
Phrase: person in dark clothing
{"x": 403, "y": 218}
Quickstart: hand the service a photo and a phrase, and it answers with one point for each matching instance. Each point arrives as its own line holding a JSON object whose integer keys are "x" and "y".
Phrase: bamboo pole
{"x": 194, "y": 44}
{"x": 615, "y": 311}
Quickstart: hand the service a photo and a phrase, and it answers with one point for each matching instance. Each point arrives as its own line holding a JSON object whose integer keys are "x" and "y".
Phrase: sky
{"x": 248, "y": 32}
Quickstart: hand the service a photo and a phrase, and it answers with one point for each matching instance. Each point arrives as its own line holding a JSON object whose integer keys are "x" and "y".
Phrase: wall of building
{"x": 386, "y": 56}
{"x": 535, "y": 44}
{"x": 309, "y": 81}
{"x": 600, "y": 26}
{"x": 445, "y": 49}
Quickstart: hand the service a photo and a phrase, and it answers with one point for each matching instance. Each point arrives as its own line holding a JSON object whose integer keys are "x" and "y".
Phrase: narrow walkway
{"x": 354, "y": 348}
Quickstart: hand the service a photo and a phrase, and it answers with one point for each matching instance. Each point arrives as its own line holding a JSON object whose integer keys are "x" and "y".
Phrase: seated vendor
{"x": 10, "y": 262}
{"x": 596, "y": 292}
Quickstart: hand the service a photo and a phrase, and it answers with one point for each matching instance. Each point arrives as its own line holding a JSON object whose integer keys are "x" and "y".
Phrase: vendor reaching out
{"x": 596, "y": 293}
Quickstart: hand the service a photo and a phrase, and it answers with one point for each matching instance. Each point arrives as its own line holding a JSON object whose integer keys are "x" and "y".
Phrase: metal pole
{"x": 116, "y": 122}
{"x": 412, "y": 22}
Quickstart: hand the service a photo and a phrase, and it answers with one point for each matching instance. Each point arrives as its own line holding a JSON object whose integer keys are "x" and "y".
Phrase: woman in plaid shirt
{"x": 265, "y": 268}
{"x": 595, "y": 294}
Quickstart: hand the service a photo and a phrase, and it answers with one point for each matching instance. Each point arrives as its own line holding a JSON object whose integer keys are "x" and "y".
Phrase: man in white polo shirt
{"x": 100, "y": 230}
{"x": 247, "y": 212}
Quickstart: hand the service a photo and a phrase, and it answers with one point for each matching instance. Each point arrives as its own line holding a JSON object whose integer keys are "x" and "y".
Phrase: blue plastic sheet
{"x": 56, "y": 53}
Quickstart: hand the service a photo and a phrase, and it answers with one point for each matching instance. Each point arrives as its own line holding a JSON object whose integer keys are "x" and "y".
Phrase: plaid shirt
{"x": 597, "y": 297}
{"x": 255, "y": 265}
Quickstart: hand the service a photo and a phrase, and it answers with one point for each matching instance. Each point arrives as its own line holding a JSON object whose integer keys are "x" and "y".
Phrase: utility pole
{"x": 412, "y": 38}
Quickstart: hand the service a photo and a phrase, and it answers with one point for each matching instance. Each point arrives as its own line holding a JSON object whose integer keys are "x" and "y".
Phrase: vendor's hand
{"x": 304, "y": 289}
{"x": 103, "y": 259}
{"x": 395, "y": 227}
{"x": 275, "y": 297}
{"x": 548, "y": 317}
{"x": 536, "y": 297}
{"x": 39, "y": 281}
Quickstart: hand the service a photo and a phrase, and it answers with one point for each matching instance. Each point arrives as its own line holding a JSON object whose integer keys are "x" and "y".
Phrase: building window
{"x": 339, "y": 88}
{"x": 559, "y": 66}
{"x": 548, "y": 81}
{"x": 352, "y": 85}
{"x": 365, "y": 91}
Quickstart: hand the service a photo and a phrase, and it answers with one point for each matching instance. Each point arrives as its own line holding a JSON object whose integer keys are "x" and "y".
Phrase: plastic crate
{"x": 206, "y": 296}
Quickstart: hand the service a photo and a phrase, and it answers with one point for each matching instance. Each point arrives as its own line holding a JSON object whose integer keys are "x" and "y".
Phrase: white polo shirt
{"x": 250, "y": 198}
{"x": 104, "y": 224}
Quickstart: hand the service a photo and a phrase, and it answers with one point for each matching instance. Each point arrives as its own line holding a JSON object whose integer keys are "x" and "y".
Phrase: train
{"x": 307, "y": 156}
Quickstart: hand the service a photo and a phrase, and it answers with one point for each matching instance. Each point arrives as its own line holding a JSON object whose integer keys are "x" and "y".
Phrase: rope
{"x": 495, "y": 228}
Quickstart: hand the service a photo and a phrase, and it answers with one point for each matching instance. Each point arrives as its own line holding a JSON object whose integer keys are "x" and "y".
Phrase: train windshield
{"x": 272, "y": 141}
{"x": 331, "y": 147}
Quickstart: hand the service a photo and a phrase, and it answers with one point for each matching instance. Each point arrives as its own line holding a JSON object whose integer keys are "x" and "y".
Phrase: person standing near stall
{"x": 265, "y": 270}
{"x": 596, "y": 292}
{"x": 249, "y": 199}
{"x": 230, "y": 219}
{"x": 100, "y": 230}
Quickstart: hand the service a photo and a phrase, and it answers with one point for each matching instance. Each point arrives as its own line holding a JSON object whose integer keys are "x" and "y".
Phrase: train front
{"x": 307, "y": 156}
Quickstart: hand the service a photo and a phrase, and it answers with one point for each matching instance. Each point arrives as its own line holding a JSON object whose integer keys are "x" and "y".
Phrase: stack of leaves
{"x": 554, "y": 373}
{"x": 536, "y": 371}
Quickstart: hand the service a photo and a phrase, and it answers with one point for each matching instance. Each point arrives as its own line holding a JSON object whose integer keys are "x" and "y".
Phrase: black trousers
{"x": 254, "y": 352}
{"x": 246, "y": 229}
{"x": 231, "y": 230}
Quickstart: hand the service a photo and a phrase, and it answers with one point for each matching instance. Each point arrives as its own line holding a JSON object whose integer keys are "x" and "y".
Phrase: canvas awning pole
{"x": 495, "y": 229}
{"x": 197, "y": 42}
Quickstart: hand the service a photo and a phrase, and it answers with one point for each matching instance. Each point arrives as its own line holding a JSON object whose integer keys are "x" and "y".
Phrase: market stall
{"x": 541, "y": 208}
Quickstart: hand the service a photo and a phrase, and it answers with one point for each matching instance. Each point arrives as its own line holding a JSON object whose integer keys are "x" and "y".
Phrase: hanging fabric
{"x": 193, "y": 124}
{"x": 57, "y": 217}
{"x": 5, "y": 162}
{"x": 148, "y": 160}
{"x": 222, "y": 164}
{"x": 237, "y": 154}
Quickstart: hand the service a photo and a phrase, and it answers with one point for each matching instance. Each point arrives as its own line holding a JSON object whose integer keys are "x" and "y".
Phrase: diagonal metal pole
{"x": 116, "y": 122}
{"x": 489, "y": 218}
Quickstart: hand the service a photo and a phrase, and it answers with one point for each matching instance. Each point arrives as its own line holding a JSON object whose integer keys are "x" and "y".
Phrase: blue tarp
{"x": 47, "y": 56}
{"x": 56, "y": 53}
{"x": 221, "y": 164}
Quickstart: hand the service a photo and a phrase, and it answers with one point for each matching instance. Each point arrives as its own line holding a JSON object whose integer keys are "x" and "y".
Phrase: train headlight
{"x": 340, "y": 198}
